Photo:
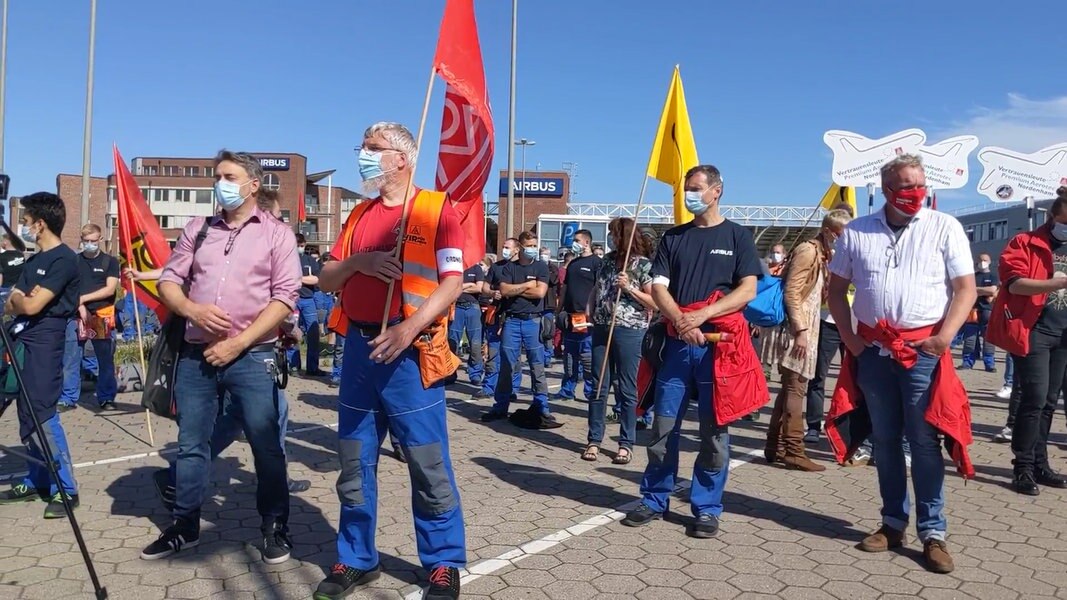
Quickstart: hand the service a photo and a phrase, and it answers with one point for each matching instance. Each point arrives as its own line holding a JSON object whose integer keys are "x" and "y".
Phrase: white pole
{"x": 329, "y": 204}
{"x": 510, "y": 230}
{"x": 87, "y": 137}
{"x": 3, "y": 83}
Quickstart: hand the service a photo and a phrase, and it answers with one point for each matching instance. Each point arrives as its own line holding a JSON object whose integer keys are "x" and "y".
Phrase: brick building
{"x": 180, "y": 189}
{"x": 536, "y": 193}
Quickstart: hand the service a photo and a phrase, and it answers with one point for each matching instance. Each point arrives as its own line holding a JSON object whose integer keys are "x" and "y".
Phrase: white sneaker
{"x": 1004, "y": 436}
{"x": 1004, "y": 393}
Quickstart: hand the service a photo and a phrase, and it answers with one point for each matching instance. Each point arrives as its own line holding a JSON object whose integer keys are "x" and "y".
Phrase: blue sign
{"x": 274, "y": 164}
{"x": 566, "y": 237}
{"x": 535, "y": 187}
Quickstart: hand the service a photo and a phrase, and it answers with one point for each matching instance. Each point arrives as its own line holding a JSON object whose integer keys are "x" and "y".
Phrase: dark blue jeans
{"x": 520, "y": 333}
{"x": 468, "y": 319}
{"x": 492, "y": 367}
{"x": 309, "y": 324}
{"x": 623, "y": 357}
{"x": 897, "y": 398}
{"x": 577, "y": 362}
{"x": 199, "y": 390}
{"x": 975, "y": 346}
{"x": 73, "y": 354}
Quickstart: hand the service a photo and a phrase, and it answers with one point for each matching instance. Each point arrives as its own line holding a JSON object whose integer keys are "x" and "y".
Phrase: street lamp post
{"x": 524, "y": 143}
{"x": 88, "y": 136}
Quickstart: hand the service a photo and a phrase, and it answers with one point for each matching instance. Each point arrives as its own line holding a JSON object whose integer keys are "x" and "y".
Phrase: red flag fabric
{"x": 301, "y": 209}
{"x": 141, "y": 243}
{"x": 466, "y": 153}
{"x": 933, "y": 202}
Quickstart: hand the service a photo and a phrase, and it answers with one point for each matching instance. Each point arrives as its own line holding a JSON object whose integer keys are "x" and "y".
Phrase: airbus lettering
{"x": 274, "y": 164}
{"x": 534, "y": 187}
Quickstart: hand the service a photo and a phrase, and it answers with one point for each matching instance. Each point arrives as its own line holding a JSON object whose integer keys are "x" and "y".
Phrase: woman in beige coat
{"x": 793, "y": 346}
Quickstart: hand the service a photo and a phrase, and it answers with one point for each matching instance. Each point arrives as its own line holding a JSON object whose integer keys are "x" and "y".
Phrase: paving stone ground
{"x": 540, "y": 522}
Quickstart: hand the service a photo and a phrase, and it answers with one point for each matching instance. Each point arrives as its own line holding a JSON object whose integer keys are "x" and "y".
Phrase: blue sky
{"x": 764, "y": 79}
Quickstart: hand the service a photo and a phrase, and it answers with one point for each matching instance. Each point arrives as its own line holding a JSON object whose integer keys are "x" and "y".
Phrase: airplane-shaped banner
{"x": 858, "y": 159}
{"x": 1012, "y": 176}
{"x": 945, "y": 163}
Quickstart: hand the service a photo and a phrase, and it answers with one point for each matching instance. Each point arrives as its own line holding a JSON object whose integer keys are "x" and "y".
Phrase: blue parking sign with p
{"x": 566, "y": 237}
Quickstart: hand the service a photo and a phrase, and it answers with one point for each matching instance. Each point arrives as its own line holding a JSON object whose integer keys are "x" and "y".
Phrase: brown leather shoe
{"x": 882, "y": 540}
{"x": 938, "y": 560}
{"x": 802, "y": 463}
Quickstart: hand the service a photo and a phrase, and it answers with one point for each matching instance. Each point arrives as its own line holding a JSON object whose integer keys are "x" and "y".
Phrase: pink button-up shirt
{"x": 240, "y": 270}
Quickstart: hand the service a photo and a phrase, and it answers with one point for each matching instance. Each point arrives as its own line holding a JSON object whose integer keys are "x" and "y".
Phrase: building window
{"x": 183, "y": 195}
{"x": 285, "y": 219}
{"x": 204, "y": 196}
{"x": 270, "y": 181}
{"x": 148, "y": 170}
{"x": 164, "y": 221}
{"x": 172, "y": 170}
{"x": 210, "y": 172}
{"x": 192, "y": 171}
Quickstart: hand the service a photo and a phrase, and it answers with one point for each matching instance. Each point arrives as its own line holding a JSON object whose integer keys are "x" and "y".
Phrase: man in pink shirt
{"x": 234, "y": 277}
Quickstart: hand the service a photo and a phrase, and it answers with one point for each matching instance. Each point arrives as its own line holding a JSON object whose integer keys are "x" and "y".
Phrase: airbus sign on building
{"x": 535, "y": 187}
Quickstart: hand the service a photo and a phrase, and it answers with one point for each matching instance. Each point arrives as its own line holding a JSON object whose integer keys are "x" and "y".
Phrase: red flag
{"x": 466, "y": 154}
{"x": 301, "y": 210}
{"x": 141, "y": 243}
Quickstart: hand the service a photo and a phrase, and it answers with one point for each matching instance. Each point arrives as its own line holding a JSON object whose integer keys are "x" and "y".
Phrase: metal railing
{"x": 319, "y": 237}
{"x": 318, "y": 209}
{"x": 782, "y": 216}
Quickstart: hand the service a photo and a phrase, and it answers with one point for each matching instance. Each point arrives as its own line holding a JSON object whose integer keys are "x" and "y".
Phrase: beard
{"x": 372, "y": 187}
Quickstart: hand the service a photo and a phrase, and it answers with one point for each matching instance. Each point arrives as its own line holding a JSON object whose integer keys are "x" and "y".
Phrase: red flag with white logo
{"x": 466, "y": 154}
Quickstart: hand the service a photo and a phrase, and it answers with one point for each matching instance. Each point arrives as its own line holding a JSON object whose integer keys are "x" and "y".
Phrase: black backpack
{"x": 158, "y": 394}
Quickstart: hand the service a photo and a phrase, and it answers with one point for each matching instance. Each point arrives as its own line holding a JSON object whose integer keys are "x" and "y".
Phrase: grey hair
{"x": 244, "y": 160}
{"x": 398, "y": 136}
{"x": 711, "y": 173}
{"x": 901, "y": 162}
{"x": 838, "y": 217}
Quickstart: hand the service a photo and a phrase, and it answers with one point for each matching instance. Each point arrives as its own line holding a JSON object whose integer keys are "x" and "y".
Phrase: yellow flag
{"x": 836, "y": 195}
{"x": 674, "y": 152}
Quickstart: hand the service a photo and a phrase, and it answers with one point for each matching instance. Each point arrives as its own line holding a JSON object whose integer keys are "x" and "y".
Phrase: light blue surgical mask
{"x": 531, "y": 253}
{"x": 694, "y": 202}
{"x": 90, "y": 248}
{"x": 370, "y": 164}
{"x": 506, "y": 253}
{"x": 577, "y": 248}
{"x": 1059, "y": 231}
{"x": 228, "y": 194}
{"x": 26, "y": 234}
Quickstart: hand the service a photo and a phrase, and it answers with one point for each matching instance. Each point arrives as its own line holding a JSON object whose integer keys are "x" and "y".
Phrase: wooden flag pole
{"x": 137, "y": 319}
{"x": 398, "y": 251}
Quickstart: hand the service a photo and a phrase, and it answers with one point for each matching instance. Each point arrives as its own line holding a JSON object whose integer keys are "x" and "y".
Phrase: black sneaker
{"x": 493, "y": 415}
{"x": 1025, "y": 484}
{"x": 703, "y": 527}
{"x": 64, "y": 407}
{"x": 55, "y": 508}
{"x": 399, "y": 454}
{"x": 343, "y": 579}
{"x": 277, "y": 546}
{"x": 173, "y": 540}
{"x": 108, "y": 407}
{"x": 334, "y": 384}
{"x": 19, "y": 492}
{"x": 480, "y": 395}
{"x": 165, "y": 488}
{"x": 299, "y": 485}
{"x": 444, "y": 584}
{"x": 1050, "y": 478}
{"x": 642, "y": 515}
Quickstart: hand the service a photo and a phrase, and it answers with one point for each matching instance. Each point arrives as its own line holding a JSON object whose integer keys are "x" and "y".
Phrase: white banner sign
{"x": 945, "y": 163}
{"x": 858, "y": 159}
{"x": 1012, "y": 176}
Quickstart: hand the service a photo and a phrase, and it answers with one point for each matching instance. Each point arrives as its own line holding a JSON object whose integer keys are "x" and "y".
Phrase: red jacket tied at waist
{"x": 739, "y": 385}
{"x": 848, "y": 422}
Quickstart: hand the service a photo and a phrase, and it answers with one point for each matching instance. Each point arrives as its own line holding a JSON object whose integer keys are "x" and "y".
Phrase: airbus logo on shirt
{"x": 528, "y": 277}
{"x": 95, "y": 270}
{"x": 721, "y": 252}
{"x": 41, "y": 272}
{"x": 586, "y": 269}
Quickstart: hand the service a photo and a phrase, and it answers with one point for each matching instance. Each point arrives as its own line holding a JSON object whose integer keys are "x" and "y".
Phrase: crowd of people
{"x": 658, "y": 323}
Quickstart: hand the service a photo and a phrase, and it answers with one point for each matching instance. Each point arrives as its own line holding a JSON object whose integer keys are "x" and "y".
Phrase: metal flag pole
{"x": 398, "y": 251}
{"x": 510, "y": 229}
{"x": 88, "y": 135}
{"x": 3, "y": 82}
{"x": 1030, "y": 210}
{"x": 870, "y": 198}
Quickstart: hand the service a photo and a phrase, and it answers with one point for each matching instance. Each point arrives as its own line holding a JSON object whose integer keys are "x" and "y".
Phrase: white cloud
{"x": 1023, "y": 125}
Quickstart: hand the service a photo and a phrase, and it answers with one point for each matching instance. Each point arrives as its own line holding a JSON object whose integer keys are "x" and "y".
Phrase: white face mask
{"x": 983, "y": 264}
{"x": 776, "y": 257}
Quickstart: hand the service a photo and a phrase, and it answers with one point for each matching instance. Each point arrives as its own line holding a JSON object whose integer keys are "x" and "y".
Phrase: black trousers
{"x": 829, "y": 342}
{"x": 1040, "y": 374}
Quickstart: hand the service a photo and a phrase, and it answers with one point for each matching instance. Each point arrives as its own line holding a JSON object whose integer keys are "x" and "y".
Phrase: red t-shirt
{"x": 363, "y": 296}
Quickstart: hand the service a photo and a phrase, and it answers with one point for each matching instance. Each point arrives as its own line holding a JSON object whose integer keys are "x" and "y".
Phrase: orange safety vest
{"x": 419, "y": 261}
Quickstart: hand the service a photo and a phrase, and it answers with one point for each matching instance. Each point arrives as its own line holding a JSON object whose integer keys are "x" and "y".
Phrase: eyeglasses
{"x": 229, "y": 242}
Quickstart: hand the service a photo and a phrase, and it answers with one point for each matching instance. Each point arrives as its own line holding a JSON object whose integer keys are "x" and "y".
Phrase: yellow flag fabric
{"x": 675, "y": 151}
{"x": 836, "y": 195}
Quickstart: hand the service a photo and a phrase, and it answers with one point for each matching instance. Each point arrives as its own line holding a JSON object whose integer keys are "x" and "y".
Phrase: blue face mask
{"x": 577, "y": 248}
{"x": 370, "y": 164}
{"x": 506, "y": 253}
{"x": 26, "y": 234}
{"x": 694, "y": 202}
{"x": 531, "y": 253}
{"x": 228, "y": 194}
{"x": 1059, "y": 231}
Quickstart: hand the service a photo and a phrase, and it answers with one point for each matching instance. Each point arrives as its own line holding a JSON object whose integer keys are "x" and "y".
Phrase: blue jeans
{"x": 550, "y": 347}
{"x": 976, "y": 345}
{"x": 38, "y": 475}
{"x": 623, "y": 356}
{"x": 469, "y": 319}
{"x": 74, "y": 353}
{"x": 1009, "y": 371}
{"x": 492, "y": 367}
{"x": 309, "y": 324}
{"x": 519, "y": 333}
{"x": 373, "y": 397}
{"x": 338, "y": 358}
{"x": 249, "y": 384}
{"x": 686, "y": 373}
{"x": 577, "y": 362}
{"x": 897, "y": 399}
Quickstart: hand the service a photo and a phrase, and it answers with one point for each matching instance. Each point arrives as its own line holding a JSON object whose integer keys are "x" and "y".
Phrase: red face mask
{"x": 908, "y": 201}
